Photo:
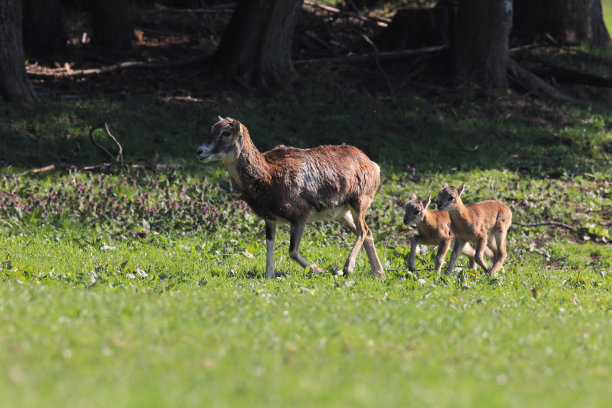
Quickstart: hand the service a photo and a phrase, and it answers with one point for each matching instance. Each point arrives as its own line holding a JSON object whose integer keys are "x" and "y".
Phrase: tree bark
{"x": 599, "y": 33}
{"x": 14, "y": 84}
{"x": 110, "y": 24}
{"x": 480, "y": 43}
{"x": 256, "y": 46}
{"x": 567, "y": 21}
{"x": 43, "y": 30}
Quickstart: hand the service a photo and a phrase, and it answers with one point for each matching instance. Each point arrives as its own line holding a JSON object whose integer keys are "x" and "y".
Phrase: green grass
{"x": 149, "y": 289}
{"x": 607, "y": 13}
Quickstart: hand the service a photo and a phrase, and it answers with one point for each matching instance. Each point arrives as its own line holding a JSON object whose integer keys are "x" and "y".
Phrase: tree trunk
{"x": 14, "y": 84}
{"x": 480, "y": 44}
{"x": 600, "y": 35}
{"x": 110, "y": 24}
{"x": 43, "y": 31}
{"x": 567, "y": 21}
{"x": 256, "y": 46}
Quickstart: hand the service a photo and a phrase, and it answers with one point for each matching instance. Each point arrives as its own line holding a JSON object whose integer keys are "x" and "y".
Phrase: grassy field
{"x": 607, "y": 12}
{"x": 148, "y": 289}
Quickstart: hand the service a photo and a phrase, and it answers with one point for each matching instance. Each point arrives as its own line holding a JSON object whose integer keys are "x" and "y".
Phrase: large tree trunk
{"x": 567, "y": 21}
{"x": 480, "y": 44}
{"x": 14, "y": 84}
{"x": 110, "y": 24}
{"x": 256, "y": 46}
{"x": 43, "y": 31}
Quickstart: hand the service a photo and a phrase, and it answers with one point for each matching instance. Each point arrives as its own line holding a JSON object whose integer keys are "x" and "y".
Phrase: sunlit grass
{"x": 607, "y": 13}
{"x": 148, "y": 289}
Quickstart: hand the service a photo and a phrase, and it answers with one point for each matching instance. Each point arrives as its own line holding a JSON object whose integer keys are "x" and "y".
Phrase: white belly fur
{"x": 326, "y": 214}
{"x": 323, "y": 215}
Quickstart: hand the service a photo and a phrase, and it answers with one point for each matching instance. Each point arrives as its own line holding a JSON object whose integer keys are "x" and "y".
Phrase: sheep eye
{"x": 451, "y": 198}
{"x": 226, "y": 133}
{"x": 417, "y": 212}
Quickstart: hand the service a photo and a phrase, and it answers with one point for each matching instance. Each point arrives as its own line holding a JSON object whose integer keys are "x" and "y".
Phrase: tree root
{"x": 534, "y": 83}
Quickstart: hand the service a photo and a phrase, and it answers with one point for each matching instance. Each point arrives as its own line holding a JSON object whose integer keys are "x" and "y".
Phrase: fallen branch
{"x": 533, "y": 83}
{"x": 527, "y": 47}
{"x": 118, "y": 159}
{"x": 373, "y": 57}
{"x": 545, "y": 223}
{"x": 61, "y": 72}
{"x": 39, "y": 170}
{"x": 218, "y": 9}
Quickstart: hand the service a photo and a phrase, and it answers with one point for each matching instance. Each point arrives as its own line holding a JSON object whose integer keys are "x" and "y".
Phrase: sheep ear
{"x": 220, "y": 118}
{"x": 461, "y": 189}
{"x": 445, "y": 185}
{"x": 413, "y": 196}
{"x": 427, "y": 201}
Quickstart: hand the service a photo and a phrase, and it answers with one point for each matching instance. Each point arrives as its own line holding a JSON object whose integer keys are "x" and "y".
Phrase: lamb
{"x": 483, "y": 223}
{"x": 294, "y": 186}
{"x": 434, "y": 228}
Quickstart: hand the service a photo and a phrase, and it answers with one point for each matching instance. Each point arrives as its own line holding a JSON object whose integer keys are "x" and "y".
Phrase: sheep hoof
{"x": 316, "y": 269}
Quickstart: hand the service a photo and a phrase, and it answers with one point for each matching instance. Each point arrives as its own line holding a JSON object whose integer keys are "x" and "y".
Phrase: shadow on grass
{"x": 401, "y": 132}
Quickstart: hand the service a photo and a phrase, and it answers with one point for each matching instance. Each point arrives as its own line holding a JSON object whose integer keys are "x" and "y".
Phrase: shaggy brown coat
{"x": 295, "y": 186}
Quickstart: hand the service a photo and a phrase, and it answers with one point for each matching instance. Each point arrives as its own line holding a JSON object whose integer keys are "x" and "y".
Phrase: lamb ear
{"x": 445, "y": 185}
{"x": 427, "y": 201}
{"x": 461, "y": 189}
{"x": 413, "y": 196}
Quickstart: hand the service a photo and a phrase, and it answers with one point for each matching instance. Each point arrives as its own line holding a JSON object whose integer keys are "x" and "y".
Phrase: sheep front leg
{"x": 414, "y": 244}
{"x": 459, "y": 244}
{"x": 296, "y": 232}
{"x": 270, "y": 232}
{"x": 442, "y": 250}
{"x": 368, "y": 244}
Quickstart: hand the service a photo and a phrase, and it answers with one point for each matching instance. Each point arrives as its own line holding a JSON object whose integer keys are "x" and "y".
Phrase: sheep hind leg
{"x": 370, "y": 249}
{"x": 347, "y": 221}
{"x": 368, "y": 243}
{"x": 501, "y": 254}
{"x": 360, "y": 232}
{"x": 481, "y": 245}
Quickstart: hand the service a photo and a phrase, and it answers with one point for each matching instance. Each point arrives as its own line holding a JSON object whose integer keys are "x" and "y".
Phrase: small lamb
{"x": 483, "y": 224}
{"x": 434, "y": 228}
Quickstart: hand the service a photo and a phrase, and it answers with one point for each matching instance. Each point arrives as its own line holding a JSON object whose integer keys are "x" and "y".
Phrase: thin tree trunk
{"x": 599, "y": 33}
{"x": 14, "y": 84}
{"x": 43, "y": 30}
{"x": 480, "y": 44}
{"x": 110, "y": 24}
{"x": 256, "y": 46}
{"x": 567, "y": 21}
